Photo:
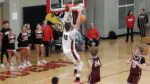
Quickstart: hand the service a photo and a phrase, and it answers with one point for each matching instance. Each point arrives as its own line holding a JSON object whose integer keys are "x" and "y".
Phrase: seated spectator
{"x": 79, "y": 41}
{"x": 92, "y": 36}
{"x": 57, "y": 39}
{"x": 54, "y": 80}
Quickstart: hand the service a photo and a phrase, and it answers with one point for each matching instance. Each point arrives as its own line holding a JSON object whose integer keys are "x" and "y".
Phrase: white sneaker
{"x": 43, "y": 61}
{"x": 25, "y": 65}
{"x": 2, "y": 65}
{"x": 12, "y": 64}
{"x": 29, "y": 64}
{"x": 12, "y": 68}
{"x": 21, "y": 67}
{"x": 39, "y": 63}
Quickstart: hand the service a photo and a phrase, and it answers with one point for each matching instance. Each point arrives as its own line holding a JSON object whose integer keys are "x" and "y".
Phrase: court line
{"x": 65, "y": 75}
{"x": 115, "y": 74}
{"x": 41, "y": 80}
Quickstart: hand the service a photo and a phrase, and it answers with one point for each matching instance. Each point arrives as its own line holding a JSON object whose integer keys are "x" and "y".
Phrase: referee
{"x": 142, "y": 21}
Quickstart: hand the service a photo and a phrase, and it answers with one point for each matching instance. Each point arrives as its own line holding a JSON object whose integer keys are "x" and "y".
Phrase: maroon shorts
{"x": 94, "y": 78}
{"x": 134, "y": 79}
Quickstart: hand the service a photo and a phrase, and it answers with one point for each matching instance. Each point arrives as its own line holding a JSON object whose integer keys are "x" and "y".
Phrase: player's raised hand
{"x": 81, "y": 7}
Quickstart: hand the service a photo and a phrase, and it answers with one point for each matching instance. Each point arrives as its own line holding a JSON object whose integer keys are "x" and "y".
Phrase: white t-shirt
{"x": 68, "y": 40}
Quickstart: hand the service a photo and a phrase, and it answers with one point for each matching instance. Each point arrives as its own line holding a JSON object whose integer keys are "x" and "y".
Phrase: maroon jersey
{"x": 134, "y": 68}
{"x": 135, "y": 71}
{"x": 95, "y": 73}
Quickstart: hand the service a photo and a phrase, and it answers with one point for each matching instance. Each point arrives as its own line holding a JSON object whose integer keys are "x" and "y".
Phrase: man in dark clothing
{"x": 142, "y": 22}
{"x": 5, "y": 31}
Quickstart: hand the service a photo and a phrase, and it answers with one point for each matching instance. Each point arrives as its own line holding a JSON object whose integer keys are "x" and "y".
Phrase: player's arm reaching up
{"x": 77, "y": 25}
{"x": 80, "y": 10}
{"x": 68, "y": 11}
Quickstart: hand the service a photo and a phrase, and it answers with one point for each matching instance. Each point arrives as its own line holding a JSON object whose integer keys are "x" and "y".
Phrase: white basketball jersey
{"x": 68, "y": 40}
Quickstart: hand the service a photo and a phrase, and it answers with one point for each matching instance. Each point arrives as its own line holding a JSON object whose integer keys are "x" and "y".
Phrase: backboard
{"x": 59, "y": 5}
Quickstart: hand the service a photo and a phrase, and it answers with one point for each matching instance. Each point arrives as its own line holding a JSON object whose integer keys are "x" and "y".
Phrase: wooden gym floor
{"x": 115, "y": 70}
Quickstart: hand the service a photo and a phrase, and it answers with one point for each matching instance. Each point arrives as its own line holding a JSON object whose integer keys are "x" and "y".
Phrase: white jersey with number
{"x": 68, "y": 40}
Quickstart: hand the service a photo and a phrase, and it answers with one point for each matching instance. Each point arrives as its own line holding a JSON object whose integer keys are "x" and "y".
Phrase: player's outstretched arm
{"x": 77, "y": 25}
{"x": 80, "y": 8}
{"x": 67, "y": 13}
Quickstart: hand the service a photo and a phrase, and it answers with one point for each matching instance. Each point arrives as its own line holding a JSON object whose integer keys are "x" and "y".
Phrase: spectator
{"x": 57, "y": 39}
{"x": 30, "y": 34}
{"x": 79, "y": 41}
{"x": 130, "y": 21}
{"x": 47, "y": 36}
{"x": 142, "y": 22}
{"x": 54, "y": 80}
{"x": 93, "y": 36}
{"x": 5, "y": 31}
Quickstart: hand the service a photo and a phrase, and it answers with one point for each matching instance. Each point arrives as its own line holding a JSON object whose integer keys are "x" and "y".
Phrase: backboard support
{"x": 59, "y": 5}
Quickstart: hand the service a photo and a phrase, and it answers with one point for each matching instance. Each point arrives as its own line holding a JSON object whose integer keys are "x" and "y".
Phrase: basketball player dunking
{"x": 68, "y": 43}
{"x": 137, "y": 65}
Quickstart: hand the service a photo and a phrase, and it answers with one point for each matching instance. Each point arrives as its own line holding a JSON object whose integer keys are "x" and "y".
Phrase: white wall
{"x": 99, "y": 16}
{"x": 25, "y": 3}
{"x": 106, "y": 15}
{"x": 111, "y": 16}
{"x": 148, "y": 8}
{"x": 5, "y": 10}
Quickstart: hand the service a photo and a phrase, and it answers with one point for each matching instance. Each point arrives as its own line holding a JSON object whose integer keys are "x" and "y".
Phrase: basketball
{"x": 82, "y": 18}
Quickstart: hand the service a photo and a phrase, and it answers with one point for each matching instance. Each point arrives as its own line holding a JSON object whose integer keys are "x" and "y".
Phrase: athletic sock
{"x": 77, "y": 79}
{"x": 75, "y": 70}
{"x": 80, "y": 66}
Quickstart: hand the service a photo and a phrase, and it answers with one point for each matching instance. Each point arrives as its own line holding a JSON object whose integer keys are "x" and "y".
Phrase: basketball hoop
{"x": 59, "y": 5}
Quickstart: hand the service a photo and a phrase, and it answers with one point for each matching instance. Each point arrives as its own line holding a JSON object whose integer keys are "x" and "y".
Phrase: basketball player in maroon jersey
{"x": 94, "y": 67}
{"x": 137, "y": 65}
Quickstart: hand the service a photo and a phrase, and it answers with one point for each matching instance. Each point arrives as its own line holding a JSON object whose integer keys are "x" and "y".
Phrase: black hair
{"x": 5, "y": 22}
{"x": 143, "y": 9}
{"x": 67, "y": 26}
{"x": 54, "y": 80}
{"x": 129, "y": 12}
